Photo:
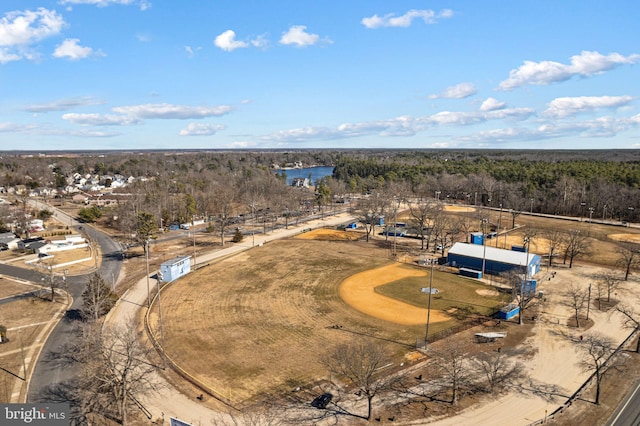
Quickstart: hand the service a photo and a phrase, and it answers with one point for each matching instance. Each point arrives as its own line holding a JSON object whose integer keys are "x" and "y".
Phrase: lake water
{"x": 315, "y": 172}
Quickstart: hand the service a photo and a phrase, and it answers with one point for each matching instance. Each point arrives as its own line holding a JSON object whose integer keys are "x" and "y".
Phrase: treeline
{"x": 602, "y": 184}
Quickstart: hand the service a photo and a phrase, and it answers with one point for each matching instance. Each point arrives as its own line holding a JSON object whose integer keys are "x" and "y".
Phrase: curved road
{"x": 52, "y": 380}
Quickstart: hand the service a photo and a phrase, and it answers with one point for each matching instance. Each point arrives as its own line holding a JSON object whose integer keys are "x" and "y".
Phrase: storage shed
{"x": 175, "y": 268}
{"x": 496, "y": 260}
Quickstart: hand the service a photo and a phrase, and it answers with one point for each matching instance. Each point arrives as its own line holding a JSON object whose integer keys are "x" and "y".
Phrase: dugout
{"x": 470, "y": 256}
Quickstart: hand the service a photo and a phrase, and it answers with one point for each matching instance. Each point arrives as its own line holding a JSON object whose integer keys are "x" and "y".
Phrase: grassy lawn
{"x": 454, "y": 293}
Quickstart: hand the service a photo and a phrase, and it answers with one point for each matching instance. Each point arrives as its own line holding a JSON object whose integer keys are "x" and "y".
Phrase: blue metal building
{"x": 470, "y": 256}
{"x": 175, "y": 268}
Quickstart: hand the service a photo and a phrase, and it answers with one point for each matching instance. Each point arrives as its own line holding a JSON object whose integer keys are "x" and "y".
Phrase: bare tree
{"x": 497, "y": 368}
{"x": 225, "y": 199}
{"x": 577, "y": 300}
{"x": 555, "y": 239}
{"x": 576, "y": 244}
{"x": 631, "y": 320}
{"x": 596, "y": 350}
{"x": 629, "y": 258}
{"x": 52, "y": 279}
{"x": 97, "y": 298}
{"x": 421, "y": 212}
{"x": 451, "y": 364}
{"x": 358, "y": 363}
{"x": 370, "y": 210}
{"x": 610, "y": 282}
{"x": 114, "y": 371}
{"x": 520, "y": 291}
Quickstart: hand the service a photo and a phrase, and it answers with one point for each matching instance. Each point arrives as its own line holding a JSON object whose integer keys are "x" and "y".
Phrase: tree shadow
{"x": 65, "y": 392}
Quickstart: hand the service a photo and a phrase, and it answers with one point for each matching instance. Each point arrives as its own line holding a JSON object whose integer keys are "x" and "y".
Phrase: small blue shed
{"x": 509, "y": 311}
{"x": 476, "y": 238}
{"x": 175, "y": 268}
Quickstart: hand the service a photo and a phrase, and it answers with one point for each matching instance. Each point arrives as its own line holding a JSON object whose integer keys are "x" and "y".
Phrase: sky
{"x": 261, "y": 74}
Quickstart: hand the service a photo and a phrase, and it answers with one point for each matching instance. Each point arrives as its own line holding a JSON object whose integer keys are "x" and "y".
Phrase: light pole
{"x": 499, "y": 222}
{"x": 146, "y": 254}
{"x": 590, "y": 214}
{"x": 484, "y": 244}
{"x": 253, "y": 232}
{"x": 588, "y": 301}
{"x": 194, "y": 249}
{"x": 158, "y": 279}
{"x": 396, "y": 206}
{"x": 604, "y": 212}
{"x": 438, "y": 195}
{"x": 531, "y": 208}
{"x": 429, "y": 291}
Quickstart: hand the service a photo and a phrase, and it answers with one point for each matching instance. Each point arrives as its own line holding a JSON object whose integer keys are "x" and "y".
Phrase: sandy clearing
{"x": 554, "y": 366}
{"x": 625, "y": 238}
{"x": 488, "y": 293}
{"x": 461, "y": 209}
{"x": 329, "y": 235}
{"x": 359, "y": 292}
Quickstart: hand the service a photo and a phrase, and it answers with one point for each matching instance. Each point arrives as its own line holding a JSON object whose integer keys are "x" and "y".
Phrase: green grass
{"x": 454, "y": 291}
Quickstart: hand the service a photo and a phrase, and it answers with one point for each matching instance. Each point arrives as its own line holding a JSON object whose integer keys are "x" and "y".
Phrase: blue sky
{"x": 145, "y": 74}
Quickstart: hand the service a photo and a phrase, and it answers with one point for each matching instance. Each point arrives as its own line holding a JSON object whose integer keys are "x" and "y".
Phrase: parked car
{"x": 322, "y": 401}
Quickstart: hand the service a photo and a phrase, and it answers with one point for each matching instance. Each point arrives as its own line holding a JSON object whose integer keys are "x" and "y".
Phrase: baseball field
{"x": 263, "y": 321}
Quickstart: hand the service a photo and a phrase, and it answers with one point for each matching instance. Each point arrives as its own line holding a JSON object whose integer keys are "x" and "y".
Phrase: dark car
{"x": 322, "y": 401}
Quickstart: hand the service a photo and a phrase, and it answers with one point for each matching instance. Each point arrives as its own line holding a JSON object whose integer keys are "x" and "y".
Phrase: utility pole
{"x": 146, "y": 253}
{"x": 484, "y": 244}
{"x": 194, "y": 250}
{"x": 429, "y": 290}
{"x": 158, "y": 279}
{"x": 588, "y": 301}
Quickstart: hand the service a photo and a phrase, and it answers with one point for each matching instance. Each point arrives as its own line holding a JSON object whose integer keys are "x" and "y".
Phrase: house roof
{"x": 492, "y": 254}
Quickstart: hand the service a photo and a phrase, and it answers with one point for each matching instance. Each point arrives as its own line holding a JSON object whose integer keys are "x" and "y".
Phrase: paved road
{"x": 628, "y": 414}
{"x": 50, "y": 376}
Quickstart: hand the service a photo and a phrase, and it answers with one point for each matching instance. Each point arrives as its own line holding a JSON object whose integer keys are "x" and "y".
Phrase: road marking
{"x": 624, "y": 407}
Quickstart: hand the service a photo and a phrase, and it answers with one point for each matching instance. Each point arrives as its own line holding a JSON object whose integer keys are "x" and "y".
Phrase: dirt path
{"x": 554, "y": 370}
{"x": 359, "y": 292}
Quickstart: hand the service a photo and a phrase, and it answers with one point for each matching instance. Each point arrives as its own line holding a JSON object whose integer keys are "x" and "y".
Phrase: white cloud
{"x": 72, "y": 50}
{"x": 563, "y": 107}
{"x": 492, "y": 104}
{"x": 7, "y": 56}
{"x": 23, "y": 28}
{"x": 546, "y": 72}
{"x": 144, "y": 4}
{"x": 398, "y": 126}
{"x": 100, "y": 120}
{"x": 390, "y": 20}
{"x": 227, "y": 41}
{"x": 298, "y": 36}
{"x": 459, "y": 91}
{"x": 143, "y": 37}
{"x": 63, "y": 105}
{"x": 191, "y": 51}
{"x": 201, "y": 129}
{"x": 261, "y": 42}
{"x": 170, "y": 111}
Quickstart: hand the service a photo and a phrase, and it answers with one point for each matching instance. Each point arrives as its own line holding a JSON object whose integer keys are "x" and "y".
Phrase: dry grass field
{"x": 263, "y": 321}
{"x": 26, "y": 320}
